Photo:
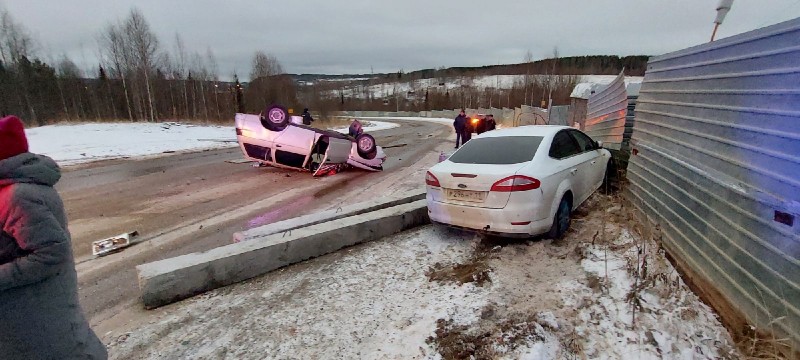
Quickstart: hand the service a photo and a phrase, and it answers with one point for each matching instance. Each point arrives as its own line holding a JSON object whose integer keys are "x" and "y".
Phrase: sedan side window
{"x": 584, "y": 141}
{"x": 563, "y": 146}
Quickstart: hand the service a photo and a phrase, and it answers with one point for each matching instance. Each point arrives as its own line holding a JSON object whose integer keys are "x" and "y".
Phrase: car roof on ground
{"x": 528, "y": 130}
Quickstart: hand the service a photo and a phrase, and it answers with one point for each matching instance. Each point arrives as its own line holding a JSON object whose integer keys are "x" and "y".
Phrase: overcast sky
{"x": 353, "y": 36}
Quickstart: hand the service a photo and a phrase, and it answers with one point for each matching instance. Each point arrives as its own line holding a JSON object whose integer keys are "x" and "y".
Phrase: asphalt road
{"x": 192, "y": 202}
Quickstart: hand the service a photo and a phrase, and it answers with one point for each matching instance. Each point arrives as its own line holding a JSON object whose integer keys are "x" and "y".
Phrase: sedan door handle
{"x": 573, "y": 171}
{"x": 594, "y": 162}
{"x": 278, "y": 146}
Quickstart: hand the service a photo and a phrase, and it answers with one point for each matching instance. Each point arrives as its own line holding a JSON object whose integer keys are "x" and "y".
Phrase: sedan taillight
{"x": 516, "y": 183}
{"x": 431, "y": 180}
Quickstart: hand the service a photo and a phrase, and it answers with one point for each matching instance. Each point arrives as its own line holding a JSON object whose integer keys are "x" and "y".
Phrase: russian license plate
{"x": 466, "y": 195}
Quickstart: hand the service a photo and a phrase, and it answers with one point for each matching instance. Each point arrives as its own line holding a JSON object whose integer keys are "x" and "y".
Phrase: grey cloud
{"x": 323, "y": 36}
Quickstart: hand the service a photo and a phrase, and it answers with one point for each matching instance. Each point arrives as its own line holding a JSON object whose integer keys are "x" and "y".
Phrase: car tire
{"x": 365, "y": 145}
{"x": 561, "y": 219}
{"x": 275, "y": 118}
{"x": 609, "y": 178}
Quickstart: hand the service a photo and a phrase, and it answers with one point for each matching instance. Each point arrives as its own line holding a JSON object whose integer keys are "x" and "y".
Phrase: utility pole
{"x": 722, "y": 9}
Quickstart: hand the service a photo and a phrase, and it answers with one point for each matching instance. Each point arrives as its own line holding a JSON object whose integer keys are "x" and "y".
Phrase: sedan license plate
{"x": 466, "y": 195}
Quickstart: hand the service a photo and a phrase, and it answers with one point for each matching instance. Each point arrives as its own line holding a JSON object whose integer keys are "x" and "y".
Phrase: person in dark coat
{"x": 355, "y": 128}
{"x": 40, "y": 317}
{"x": 490, "y": 123}
{"x": 307, "y": 119}
{"x": 480, "y": 128}
{"x": 460, "y": 125}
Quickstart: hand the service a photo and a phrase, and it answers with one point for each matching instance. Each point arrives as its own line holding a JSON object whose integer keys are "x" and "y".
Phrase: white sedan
{"x": 521, "y": 181}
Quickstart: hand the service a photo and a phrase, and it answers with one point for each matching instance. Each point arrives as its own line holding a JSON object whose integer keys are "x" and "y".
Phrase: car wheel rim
{"x": 276, "y": 116}
{"x": 365, "y": 144}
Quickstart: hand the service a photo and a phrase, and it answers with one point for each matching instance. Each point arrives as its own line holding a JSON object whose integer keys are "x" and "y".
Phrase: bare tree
{"x": 265, "y": 65}
{"x": 265, "y": 83}
{"x": 181, "y": 68}
{"x": 528, "y": 65}
{"x": 144, "y": 49}
{"x": 15, "y": 42}
{"x": 214, "y": 76}
{"x": 112, "y": 46}
{"x": 201, "y": 73}
{"x": 17, "y": 45}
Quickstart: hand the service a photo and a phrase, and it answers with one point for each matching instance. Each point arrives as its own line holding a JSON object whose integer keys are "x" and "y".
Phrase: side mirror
{"x": 599, "y": 144}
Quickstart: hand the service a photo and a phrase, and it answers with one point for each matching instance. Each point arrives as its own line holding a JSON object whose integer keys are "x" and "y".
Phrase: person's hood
{"x": 29, "y": 168}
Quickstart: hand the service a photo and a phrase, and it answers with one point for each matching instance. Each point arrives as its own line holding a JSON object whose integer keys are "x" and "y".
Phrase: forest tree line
{"x": 140, "y": 77}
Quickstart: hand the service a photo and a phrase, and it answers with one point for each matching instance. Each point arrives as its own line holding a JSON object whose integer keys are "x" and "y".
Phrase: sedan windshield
{"x": 501, "y": 150}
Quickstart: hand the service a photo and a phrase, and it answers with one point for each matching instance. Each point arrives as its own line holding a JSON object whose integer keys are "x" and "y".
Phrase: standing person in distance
{"x": 490, "y": 123}
{"x": 307, "y": 119}
{"x": 40, "y": 317}
{"x": 460, "y": 125}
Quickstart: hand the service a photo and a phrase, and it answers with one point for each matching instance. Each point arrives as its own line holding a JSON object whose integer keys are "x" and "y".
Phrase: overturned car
{"x": 275, "y": 138}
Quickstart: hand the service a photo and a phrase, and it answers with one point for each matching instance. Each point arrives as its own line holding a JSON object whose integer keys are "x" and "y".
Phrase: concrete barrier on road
{"x": 328, "y": 215}
{"x": 166, "y": 281}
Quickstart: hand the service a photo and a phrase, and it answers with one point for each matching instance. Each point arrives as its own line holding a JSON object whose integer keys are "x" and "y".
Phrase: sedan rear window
{"x": 498, "y": 150}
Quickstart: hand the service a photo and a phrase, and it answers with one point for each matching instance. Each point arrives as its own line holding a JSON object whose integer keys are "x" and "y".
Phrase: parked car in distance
{"x": 274, "y": 138}
{"x": 521, "y": 181}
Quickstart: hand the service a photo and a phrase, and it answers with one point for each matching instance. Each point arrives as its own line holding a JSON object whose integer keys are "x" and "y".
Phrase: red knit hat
{"x": 12, "y": 137}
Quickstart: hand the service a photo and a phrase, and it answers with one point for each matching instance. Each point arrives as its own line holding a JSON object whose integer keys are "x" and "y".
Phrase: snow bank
{"x": 657, "y": 317}
{"x": 444, "y": 121}
{"x": 80, "y": 143}
{"x": 371, "y": 126}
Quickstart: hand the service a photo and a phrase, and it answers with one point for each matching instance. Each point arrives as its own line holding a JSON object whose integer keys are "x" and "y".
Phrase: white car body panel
{"x": 531, "y": 211}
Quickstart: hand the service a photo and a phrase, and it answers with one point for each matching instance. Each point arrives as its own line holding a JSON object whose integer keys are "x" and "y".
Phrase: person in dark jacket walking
{"x": 40, "y": 317}
{"x": 490, "y": 123}
{"x": 307, "y": 119}
{"x": 460, "y": 125}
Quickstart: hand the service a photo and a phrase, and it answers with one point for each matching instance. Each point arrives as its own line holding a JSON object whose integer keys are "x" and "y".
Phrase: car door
{"x": 571, "y": 163}
{"x": 293, "y": 145}
{"x": 597, "y": 163}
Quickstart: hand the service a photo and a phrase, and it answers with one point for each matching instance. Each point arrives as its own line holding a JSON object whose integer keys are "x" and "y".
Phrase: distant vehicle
{"x": 477, "y": 123}
{"x": 274, "y": 138}
{"x": 521, "y": 181}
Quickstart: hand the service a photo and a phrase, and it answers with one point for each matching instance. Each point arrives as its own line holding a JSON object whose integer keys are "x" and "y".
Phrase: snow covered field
{"x": 371, "y": 126}
{"x": 437, "y": 293}
{"x": 81, "y": 143}
{"x": 71, "y": 144}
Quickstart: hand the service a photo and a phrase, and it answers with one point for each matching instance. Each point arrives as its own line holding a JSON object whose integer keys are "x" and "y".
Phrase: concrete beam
{"x": 166, "y": 281}
{"x": 329, "y": 215}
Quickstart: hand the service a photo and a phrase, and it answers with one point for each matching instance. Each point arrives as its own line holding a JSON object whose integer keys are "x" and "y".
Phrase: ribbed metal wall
{"x": 629, "y": 120}
{"x": 717, "y": 165}
{"x": 605, "y": 114}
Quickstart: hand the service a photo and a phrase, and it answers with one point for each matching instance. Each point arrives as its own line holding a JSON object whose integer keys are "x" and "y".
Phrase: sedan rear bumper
{"x": 506, "y": 222}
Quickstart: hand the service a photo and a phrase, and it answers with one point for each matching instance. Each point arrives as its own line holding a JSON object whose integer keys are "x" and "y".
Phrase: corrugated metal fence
{"x": 717, "y": 164}
{"x": 605, "y": 113}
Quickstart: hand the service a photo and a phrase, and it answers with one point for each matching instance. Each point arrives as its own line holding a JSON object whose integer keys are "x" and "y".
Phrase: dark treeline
{"x": 634, "y": 65}
{"x": 138, "y": 79}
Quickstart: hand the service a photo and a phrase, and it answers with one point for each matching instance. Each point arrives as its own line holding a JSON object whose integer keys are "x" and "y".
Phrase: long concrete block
{"x": 329, "y": 215}
{"x": 166, "y": 281}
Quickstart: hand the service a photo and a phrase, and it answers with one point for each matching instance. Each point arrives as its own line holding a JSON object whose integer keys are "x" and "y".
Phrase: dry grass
{"x": 651, "y": 266}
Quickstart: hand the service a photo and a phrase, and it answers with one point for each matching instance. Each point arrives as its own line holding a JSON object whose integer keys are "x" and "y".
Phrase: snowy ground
{"x": 436, "y": 293}
{"x": 71, "y": 144}
{"x": 371, "y": 126}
